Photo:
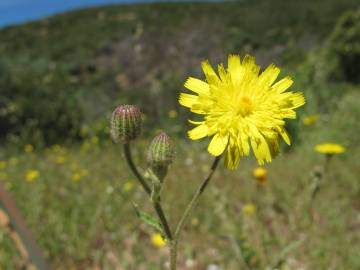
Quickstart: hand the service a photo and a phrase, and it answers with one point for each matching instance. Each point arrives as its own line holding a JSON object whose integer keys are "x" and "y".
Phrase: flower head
{"x": 241, "y": 109}
{"x": 76, "y": 177}
{"x": 249, "y": 209}
{"x": 172, "y": 114}
{"x": 32, "y": 175}
{"x": 311, "y": 119}
{"x": 330, "y": 148}
{"x": 128, "y": 186}
{"x": 157, "y": 240}
{"x": 125, "y": 124}
{"x": 260, "y": 175}
{"x": 28, "y": 148}
{"x": 161, "y": 152}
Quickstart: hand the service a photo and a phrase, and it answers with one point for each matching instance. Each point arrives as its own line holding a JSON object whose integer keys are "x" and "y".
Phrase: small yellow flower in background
{"x": 128, "y": 186}
{"x": 330, "y": 148}
{"x": 60, "y": 160}
{"x": 172, "y": 114}
{"x": 242, "y": 109}
{"x": 260, "y": 175}
{"x": 195, "y": 221}
{"x": 4, "y": 176}
{"x": 13, "y": 161}
{"x": 157, "y": 240}
{"x": 28, "y": 148}
{"x": 32, "y": 175}
{"x": 76, "y": 177}
{"x": 3, "y": 164}
{"x": 249, "y": 209}
{"x": 311, "y": 119}
{"x": 79, "y": 174}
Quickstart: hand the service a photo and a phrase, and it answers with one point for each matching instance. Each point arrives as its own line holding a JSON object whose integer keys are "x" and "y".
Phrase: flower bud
{"x": 160, "y": 154}
{"x": 260, "y": 175}
{"x": 125, "y": 123}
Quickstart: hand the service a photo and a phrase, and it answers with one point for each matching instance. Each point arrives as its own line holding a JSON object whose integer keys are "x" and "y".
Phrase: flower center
{"x": 245, "y": 106}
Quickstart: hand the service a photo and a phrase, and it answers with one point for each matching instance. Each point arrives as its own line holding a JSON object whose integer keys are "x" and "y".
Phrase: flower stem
{"x": 187, "y": 213}
{"x": 158, "y": 209}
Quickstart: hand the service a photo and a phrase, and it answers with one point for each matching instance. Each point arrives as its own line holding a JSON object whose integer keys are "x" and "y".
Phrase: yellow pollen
{"x": 245, "y": 106}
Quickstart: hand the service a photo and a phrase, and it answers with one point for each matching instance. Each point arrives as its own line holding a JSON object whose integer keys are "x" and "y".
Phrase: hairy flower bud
{"x": 125, "y": 123}
{"x": 160, "y": 154}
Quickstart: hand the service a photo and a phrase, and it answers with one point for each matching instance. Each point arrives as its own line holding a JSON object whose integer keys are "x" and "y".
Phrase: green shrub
{"x": 339, "y": 57}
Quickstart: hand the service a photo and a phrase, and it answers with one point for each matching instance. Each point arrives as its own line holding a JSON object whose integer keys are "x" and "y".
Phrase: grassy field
{"x": 79, "y": 209}
{"x": 61, "y": 77}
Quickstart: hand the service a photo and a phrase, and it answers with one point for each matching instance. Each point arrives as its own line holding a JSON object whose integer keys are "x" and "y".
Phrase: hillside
{"x": 63, "y": 72}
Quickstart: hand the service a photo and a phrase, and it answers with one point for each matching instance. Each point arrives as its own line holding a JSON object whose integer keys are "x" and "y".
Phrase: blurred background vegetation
{"x": 61, "y": 77}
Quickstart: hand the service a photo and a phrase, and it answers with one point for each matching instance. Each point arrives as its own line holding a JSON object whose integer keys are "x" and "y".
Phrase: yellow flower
{"x": 260, "y": 174}
{"x": 172, "y": 114}
{"x": 60, "y": 160}
{"x": 157, "y": 240}
{"x": 195, "y": 221}
{"x": 249, "y": 209}
{"x": 28, "y": 148}
{"x": 76, "y": 177}
{"x": 3, "y": 164}
{"x": 128, "y": 186}
{"x": 32, "y": 175}
{"x": 311, "y": 119}
{"x": 330, "y": 148}
{"x": 242, "y": 109}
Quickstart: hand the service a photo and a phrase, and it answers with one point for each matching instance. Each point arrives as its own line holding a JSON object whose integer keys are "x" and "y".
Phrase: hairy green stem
{"x": 158, "y": 209}
{"x": 187, "y": 213}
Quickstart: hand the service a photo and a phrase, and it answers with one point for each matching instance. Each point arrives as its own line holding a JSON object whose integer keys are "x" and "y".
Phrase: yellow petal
{"x": 249, "y": 64}
{"x": 218, "y": 144}
{"x": 261, "y": 149}
{"x": 234, "y": 67}
{"x": 284, "y": 135}
{"x": 198, "y": 86}
{"x": 187, "y": 100}
{"x": 209, "y": 72}
{"x": 198, "y": 132}
{"x": 297, "y": 99}
{"x": 232, "y": 158}
{"x": 282, "y": 85}
{"x": 269, "y": 75}
{"x": 222, "y": 72}
{"x": 195, "y": 122}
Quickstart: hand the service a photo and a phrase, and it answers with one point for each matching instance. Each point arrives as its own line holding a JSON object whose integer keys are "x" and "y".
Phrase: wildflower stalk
{"x": 158, "y": 209}
{"x": 187, "y": 213}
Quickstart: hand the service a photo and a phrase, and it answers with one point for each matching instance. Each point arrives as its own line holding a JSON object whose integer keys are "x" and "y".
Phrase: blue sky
{"x": 20, "y": 11}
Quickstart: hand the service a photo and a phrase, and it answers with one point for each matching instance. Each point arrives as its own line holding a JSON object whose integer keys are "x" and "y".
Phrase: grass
{"x": 89, "y": 222}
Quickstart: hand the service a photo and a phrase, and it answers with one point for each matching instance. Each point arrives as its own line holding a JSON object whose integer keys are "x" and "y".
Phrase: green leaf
{"x": 148, "y": 219}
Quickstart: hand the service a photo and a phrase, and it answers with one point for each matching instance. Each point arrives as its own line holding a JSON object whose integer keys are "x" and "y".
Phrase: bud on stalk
{"x": 160, "y": 155}
{"x": 125, "y": 123}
